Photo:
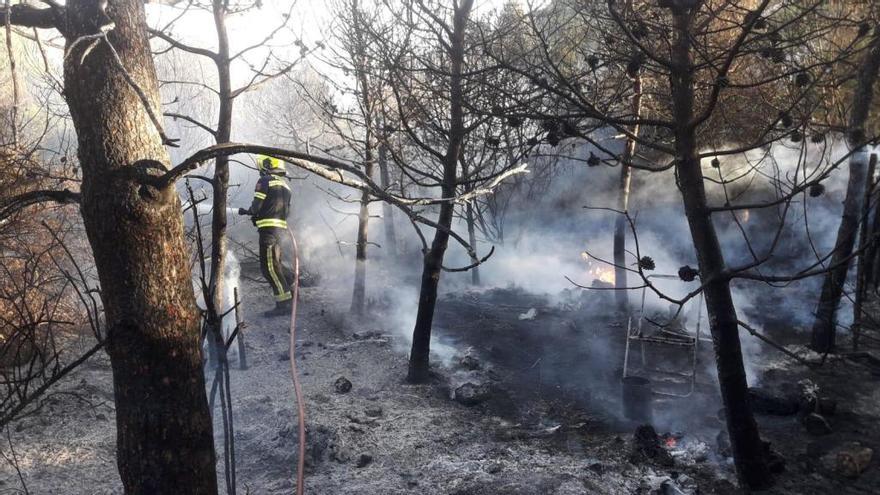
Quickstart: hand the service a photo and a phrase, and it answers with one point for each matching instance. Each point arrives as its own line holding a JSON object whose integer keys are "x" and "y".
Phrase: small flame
{"x": 671, "y": 442}
{"x": 603, "y": 273}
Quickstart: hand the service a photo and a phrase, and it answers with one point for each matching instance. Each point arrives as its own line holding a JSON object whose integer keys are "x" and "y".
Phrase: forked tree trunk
{"x": 748, "y": 451}
{"x": 164, "y": 438}
{"x": 824, "y": 331}
{"x": 433, "y": 260}
{"x": 620, "y": 224}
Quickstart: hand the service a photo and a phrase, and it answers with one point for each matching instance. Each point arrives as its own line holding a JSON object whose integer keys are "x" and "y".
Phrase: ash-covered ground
{"x": 526, "y": 401}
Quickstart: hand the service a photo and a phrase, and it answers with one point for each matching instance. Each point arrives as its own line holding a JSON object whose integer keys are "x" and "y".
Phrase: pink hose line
{"x": 297, "y": 389}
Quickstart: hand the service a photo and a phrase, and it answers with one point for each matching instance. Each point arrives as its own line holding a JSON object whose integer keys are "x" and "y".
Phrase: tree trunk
{"x": 748, "y": 451}
{"x": 472, "y": 240}
{"x": 865, "y": 234}
{"x": 387, "y": 209}
{"x": 164, "y": 438}
{"x": 366, "y": 102}
{"x": 220, "y": 242}
{"x": 421, "y": 346}
{"x": 433, "y": 260}
{"x": 220, "y": 184}
{"x": 872, "y": 261}
{"x": 824, "y": 331}
{"x": 360, "y": 267}
{"x": 620, "y": 225}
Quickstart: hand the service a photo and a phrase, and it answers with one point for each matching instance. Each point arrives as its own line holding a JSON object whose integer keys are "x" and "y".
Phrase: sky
{"x": 310, "y": 21}
{"x": 310, "y": 18}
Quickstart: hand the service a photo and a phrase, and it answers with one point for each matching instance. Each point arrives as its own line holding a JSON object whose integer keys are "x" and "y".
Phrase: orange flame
{"x": 599, "y": 272}
{"x": 604, "y": 274}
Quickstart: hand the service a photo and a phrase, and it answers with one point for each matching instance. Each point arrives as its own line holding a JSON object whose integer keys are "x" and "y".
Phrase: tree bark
{"x": 220, "y": 241}
{"x": 862, "y": 264}
{"x": 748, "y": 451}
{"x": 358, "y": 47}
{"x": 472, "y": 240}
{"x": 366, "y": 102}
{"x": 360, "y": 267}
{"x": 10, "y": 56}
{"x": 387, "y": 209}
{"x": 419, "y": 360}
{"x": 872, "y": 261}
{"x": 220, "y": 184}
{"x": 824, "y": 327}
{"x": 164, "y": 437}
{"x": 620, "y": 225}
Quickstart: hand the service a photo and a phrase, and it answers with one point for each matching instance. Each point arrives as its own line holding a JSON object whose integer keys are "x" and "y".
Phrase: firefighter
{"x": 268, "y": 213}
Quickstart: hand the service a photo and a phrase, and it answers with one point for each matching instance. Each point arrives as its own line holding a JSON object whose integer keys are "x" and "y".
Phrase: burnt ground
{"x": 580, "y": 343}
{"x": 547, "y": 418}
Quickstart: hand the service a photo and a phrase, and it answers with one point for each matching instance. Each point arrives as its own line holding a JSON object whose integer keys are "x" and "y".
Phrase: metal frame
{"x": 634, "y": 334}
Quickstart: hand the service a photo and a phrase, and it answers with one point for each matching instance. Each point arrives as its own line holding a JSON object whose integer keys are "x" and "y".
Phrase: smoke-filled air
{"x": 439, "y": 247}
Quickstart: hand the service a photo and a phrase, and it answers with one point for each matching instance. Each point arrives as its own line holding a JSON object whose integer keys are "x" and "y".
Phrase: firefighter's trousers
{"x": 270, "y": 262}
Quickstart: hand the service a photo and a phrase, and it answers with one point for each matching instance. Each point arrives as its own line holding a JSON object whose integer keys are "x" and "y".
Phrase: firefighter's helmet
{"x": 269, "y": 163}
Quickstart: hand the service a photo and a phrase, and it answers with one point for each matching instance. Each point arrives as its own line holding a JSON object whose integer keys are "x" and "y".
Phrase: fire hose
{"x": 297, "y": 389}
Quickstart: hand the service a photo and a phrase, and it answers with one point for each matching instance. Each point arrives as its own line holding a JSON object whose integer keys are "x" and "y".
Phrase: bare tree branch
{"x": 14, "y": 204}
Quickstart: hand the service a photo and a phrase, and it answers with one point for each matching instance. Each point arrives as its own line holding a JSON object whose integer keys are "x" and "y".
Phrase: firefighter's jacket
{"x": 271, "y": 203}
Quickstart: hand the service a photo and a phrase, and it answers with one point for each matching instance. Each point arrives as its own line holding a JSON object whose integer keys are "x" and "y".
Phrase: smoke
{"x": 550, "y": 230}
{"x": 231, "y": 282}
{"x": 400, "y": 317}
{"x": 547, "y": 228}
{"x": 230, "y": 286}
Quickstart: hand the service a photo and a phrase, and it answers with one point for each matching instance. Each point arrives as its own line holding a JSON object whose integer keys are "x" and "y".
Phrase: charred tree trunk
{"x": 433, "y": 259}
{"x": 164, "y": 437}
{"x": 620, "y": 225}
{"x": 472, "y": 240}
{"x": 872, "y": 256}
{"x": 387, "y": 209}
{"x": 361, "y": 64}
{"x": 748, "y": 451}
{"x": 219, "y": 242}
{"x": 360, "y": 267}
{"x": 824, "y": 331}
{"x": 865, "y": 238}
{"x": 220, "y": 184}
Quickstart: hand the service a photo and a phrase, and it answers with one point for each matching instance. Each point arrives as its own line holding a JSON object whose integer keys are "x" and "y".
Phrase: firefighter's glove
{"x": 244, "y": 211}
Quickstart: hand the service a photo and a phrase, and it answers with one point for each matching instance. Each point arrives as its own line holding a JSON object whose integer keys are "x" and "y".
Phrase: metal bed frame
{"x": 665, "y": 337}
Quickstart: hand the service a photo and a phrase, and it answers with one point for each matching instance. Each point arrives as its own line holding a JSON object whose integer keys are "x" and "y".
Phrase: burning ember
{"x": 600, "y": 272}
{"x": 671, "y": 440}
